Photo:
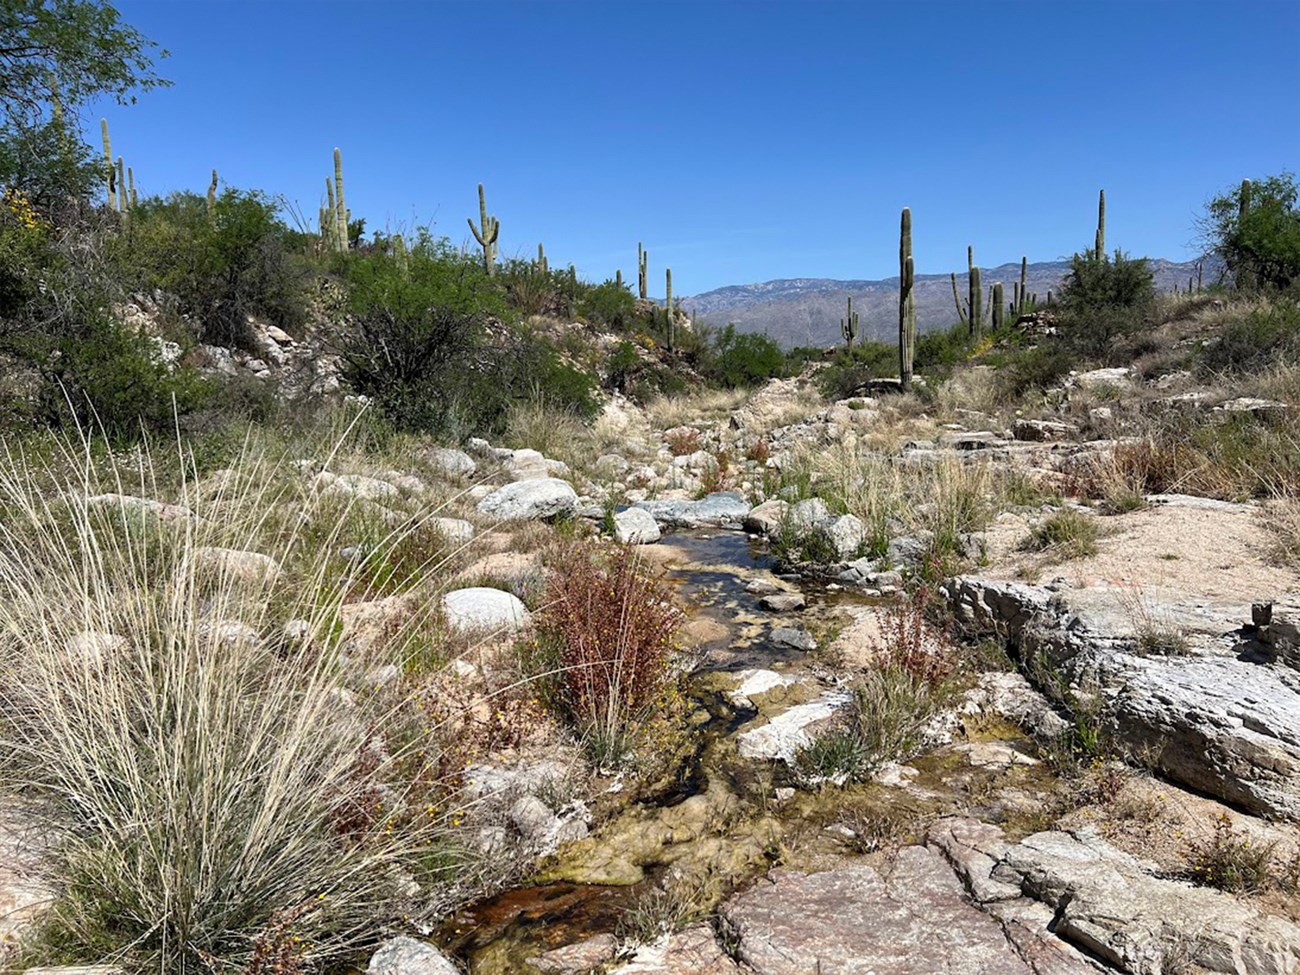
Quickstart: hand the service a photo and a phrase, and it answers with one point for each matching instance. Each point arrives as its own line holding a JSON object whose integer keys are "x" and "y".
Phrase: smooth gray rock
{"x": 783, "y": 602}
{"x": 723, "y": 508}
{"x": 482, "y": 608}
{"x": 536, "y": 499}
{"x": 807, "y": 515}
{"x": 784, "y": 735}
{"x": 789, "y": 636}
{"x": 406, "y": 956}
{"x": 635, "y": 526}
{"x": 456, "y": 531}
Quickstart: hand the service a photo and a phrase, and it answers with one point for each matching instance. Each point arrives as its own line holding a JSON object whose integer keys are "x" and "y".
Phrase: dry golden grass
{"x": 666, "y": 412}
{"x": 205, "y": 770}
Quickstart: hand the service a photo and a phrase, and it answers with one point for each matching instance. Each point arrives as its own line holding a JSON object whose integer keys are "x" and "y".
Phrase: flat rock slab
{"x": 783, "y": 602}
{"x": 1217, "y": 722}
{"x": 537, "y": 499}
{"x": 797, "y": 639}
{"x": 783, "y": 736}
{"x": 910, "y": 918}
{"x": 1112, "y": 905}
{"x": 693, "y": 951}
{"x": 723, "y": 508}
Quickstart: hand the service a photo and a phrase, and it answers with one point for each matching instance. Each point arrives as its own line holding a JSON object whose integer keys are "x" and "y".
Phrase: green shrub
{"x": 221, "y": 269}
{"x": 1230, "y": 860}
{"x": 609, "y": 305}
{"x": 849, "y": 371}
{"x": 743, "y": 359}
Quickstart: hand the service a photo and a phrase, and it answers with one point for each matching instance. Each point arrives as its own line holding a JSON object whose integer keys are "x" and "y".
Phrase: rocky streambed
{"x": 974, "y": 857}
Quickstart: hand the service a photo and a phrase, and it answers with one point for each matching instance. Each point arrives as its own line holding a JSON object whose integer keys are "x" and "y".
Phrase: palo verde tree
{"x": 68, "y": 51}
{"x": 1255, "y": 229}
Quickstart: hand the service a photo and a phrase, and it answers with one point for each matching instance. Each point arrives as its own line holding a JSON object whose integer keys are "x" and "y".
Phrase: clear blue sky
{"x": 742, "y": 141}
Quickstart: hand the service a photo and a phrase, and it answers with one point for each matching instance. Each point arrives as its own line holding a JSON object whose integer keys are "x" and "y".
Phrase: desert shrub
{"x": 56, "y": 292}
{"x": 1248, "y": 345}
{"x": 1094, "y": 283}
{"x": 849, "y": 370}
{"x": 738, "y": 360}
{"x": 47, "y": 164}
{"x": 683, "y": 440}
{"x": 1068, "y": 534}
{"x": 220, "y": 268}
{"x": 1230, "y": 860}
{"x": 606, "y": 635}
{"x": 608, "y": 304}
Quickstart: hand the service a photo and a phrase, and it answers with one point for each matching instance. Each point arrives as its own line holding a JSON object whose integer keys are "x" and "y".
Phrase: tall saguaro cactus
{"x": 110, "y": 175}
{"x": 906, "y": 302}
{"x": 642, "y": 265}
{"x": 486, "y": 233}
{"x": 849, "y": 326}
{"x": 123, "y": 201}
{"x": 340, "y": 208}
{"x": 542, "y": 264}
{"x": 998, "y": 306}
{"x": 668, "y": 306}
{"x": 1022, "y": 305}
{"x": 1101, "y": 226}
{"x": 976, "y": 296}
{"x": 618, "y": 278}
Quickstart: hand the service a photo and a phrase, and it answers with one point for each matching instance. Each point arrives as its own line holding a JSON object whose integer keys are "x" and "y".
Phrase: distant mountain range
{"x": 807, "y": 311}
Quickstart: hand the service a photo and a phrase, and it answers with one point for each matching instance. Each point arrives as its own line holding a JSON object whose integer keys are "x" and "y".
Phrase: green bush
{"x": 848, "y": 371}
{"x": 220, "y": 269}
{"x": 607, "y": 304}
{"x": 743, "y": 359}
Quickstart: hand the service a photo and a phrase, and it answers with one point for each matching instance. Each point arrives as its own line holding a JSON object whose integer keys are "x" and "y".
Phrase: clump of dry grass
{"x": 202, "y": 770}
{"x": 666, "y": 412}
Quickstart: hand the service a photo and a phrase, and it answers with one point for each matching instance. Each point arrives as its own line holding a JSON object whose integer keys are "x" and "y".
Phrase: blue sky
{"x": 741, "y": 141}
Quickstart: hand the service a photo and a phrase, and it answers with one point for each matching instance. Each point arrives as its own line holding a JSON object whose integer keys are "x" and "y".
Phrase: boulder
{"x": 1219, "y": 722}
{"x": 844, "y": 535}
{"x": 356, "y": 486}
{"x": 482, "y": 608}
{"x": 406, "y": 956}
{"x": 236, "y": 565}
{"x": 635, "y": 526}
{"x": 168, "y": 514}
{"x": 783, "y": 602}
{"x": 450, "y": 461}
{"x": 793, "y": 637}
{"x": 456, "y": 531}
{"x": 764, "y": 519}
{"x": 531, "y": 500}
{"x": 807, "y": 515}
{"x": 526, "y": 464}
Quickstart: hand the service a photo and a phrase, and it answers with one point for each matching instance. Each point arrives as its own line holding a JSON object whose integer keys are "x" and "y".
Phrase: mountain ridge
{"x": 807, "y": 311}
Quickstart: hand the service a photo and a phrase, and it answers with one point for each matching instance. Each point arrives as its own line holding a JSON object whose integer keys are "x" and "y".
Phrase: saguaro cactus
{"x": 642, "y": 264}
{"x": 123, "y": 202}
{"x": 212, "y": 196}
{"x": 998, "y": 306}
{"x": 341, "y": 210}
{"x": 668, "y": 308}
{"x": 542, "y": 264}
{"x": 110, "y": 175}
{"x": 849, "y": 326}
{"x": 618, "y": 278}
{"x": 1023, "y": 304}
{"x": 962, "y": 317}
{"x": 976, "y": 296}
{"x": 906, "y": 302}
{"x": 1101, "y": 226}
{"x": 486, "y": 233}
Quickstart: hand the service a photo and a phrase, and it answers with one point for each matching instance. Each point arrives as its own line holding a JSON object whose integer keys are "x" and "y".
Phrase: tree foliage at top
{"x": 68, "y": 51}
{"x": 1260, "y": 245}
